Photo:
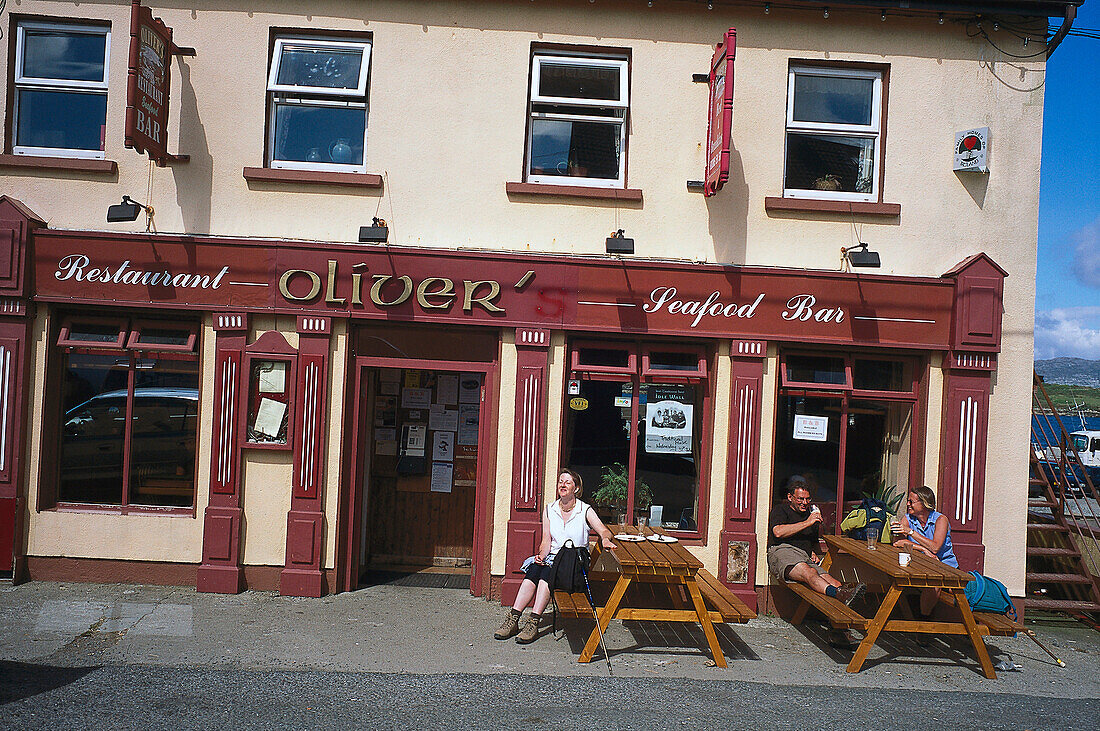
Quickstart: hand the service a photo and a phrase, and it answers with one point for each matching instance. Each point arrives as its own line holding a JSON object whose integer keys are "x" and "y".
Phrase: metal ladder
{"x": 1063, "y": 525}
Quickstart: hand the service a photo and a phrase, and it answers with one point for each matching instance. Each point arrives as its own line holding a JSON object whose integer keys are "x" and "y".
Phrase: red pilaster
{"x": 16, "y": 225}
{"x": 528, "y": 447}
{"x": 737, "y": 549}
{"x": 302, "y": 575}
{"x": 962, "y": 453}
{"x": 221, "y": 570}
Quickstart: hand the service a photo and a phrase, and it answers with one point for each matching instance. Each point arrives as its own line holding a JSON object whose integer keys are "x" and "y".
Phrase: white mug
{"x": 903, "y": 559}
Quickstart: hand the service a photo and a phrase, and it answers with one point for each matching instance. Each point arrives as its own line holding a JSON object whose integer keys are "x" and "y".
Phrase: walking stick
{"x": 592, "y": 603}
{"x": 1031, "y": 633}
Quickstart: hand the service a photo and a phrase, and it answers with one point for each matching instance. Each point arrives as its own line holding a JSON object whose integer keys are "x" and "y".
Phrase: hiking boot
{"x": 530, "y": 631}
{"x": 510, "y": 626}
{"x": 842, "y": 639}
{"x": 848, "y": 593}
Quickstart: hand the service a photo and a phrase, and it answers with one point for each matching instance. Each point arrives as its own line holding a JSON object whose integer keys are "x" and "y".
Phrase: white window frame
{"x": 306, "y": 96}
{"x": 33, "y": 83}
{"x": 622, "y": 103}
{"x": 872, "y": 130}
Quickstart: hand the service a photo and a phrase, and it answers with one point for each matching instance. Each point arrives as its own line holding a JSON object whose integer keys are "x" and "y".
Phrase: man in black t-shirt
{"x": 794, "y": 532}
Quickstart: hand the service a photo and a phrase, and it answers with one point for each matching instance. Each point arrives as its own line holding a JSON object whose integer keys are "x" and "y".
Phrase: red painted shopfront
{"x": 713, "y": 308}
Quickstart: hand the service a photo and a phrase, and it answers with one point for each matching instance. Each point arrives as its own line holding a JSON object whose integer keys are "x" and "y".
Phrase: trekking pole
{"x": 1031, "y": 633}
{"x": 592, "y": 603}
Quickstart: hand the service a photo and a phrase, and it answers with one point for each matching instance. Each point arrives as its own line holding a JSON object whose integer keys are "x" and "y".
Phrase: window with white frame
{"x": 317, "y": 91}
{"x": 577, "y": 130}
{"x": 833, "y": 133}
{"x": 60, "y": 84}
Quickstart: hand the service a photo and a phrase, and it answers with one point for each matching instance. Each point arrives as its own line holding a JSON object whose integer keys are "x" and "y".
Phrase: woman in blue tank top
{"x": 927, "y": 531}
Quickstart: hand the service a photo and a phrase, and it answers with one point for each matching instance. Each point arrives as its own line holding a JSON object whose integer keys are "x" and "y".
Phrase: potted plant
{"x": 612, "y": 492}
{"x": 827, "y": 182}
{"x": 888, "y": 495}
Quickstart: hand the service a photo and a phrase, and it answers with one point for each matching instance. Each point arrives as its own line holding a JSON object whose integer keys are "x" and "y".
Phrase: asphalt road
{"x": 36, "y": 696}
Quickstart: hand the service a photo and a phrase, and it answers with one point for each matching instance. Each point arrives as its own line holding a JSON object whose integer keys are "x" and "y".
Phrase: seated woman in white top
{"x": 566, "y": 519}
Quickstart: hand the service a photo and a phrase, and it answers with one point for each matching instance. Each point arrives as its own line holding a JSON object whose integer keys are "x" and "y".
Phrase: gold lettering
{"x": 447, "y": 292}
{"x": 330, "y": 290}
{"x": 356, "y": 288}
{"x": 284, "y": 282}
{"x": 469, "y": 299}
{"x": 376, "y": 290}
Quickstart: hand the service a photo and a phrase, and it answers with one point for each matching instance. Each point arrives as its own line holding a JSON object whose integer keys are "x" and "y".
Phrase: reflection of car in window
{"x": 162, "y": 440}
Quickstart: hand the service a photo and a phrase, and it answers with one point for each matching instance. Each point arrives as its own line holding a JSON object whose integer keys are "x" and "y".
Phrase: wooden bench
{"x": 839, "y": 614}
{"x": 718, "y": 597}
{"x": 997, "y": 624}
{"x": 572, "y": 605}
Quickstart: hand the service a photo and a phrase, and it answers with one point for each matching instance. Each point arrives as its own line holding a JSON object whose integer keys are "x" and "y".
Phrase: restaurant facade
{"x": 243, "y": 395}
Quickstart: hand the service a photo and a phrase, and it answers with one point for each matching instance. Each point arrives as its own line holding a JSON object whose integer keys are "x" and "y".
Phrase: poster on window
{"x": 811, "y": 428}
{"x": 668, "y": 421}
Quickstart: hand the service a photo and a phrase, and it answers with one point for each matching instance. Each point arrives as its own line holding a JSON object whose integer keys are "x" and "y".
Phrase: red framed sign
{"x": 148, "y": 84}
{"x": 720, "y": 121}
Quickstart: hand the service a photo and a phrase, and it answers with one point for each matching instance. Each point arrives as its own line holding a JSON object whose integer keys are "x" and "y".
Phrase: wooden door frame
{"x": 351, "y": 513}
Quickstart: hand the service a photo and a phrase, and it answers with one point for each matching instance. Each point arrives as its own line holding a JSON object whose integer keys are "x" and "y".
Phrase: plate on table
{"x": 661, "y": 538}
{"x": 629, "y": 537}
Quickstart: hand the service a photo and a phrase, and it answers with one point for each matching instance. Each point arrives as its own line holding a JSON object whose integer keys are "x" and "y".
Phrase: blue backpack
{"x": 875, "y": 514}
{"x": 989, "y": 595}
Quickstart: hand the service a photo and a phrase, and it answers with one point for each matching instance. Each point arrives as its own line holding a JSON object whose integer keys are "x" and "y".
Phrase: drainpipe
{"x": 1071, "y": 15}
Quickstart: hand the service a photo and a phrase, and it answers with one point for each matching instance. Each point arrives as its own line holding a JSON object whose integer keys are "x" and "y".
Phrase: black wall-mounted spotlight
{"x": 860, "y": 256}
{"x": 377, "y": 233}
{"x": 127, "y": 210}
{"x": 619, "y": 244}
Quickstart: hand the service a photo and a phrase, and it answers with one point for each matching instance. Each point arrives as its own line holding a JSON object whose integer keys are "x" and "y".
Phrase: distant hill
{"x": 1070, "y": 371}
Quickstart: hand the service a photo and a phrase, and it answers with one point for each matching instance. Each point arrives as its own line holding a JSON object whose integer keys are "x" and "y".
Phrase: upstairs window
{"x": 834, "y": 132}
{"x": 317, "y": 111}
{"x": 577, "y": 128}
{"x": 60, "y": 84}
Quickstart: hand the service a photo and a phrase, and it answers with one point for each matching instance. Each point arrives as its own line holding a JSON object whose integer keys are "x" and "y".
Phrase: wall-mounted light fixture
{"x": 860, "y": 256}
{"x": 377, "y": 233}
{"x": 127, "y": 210}
{"x": 619, "y": 244}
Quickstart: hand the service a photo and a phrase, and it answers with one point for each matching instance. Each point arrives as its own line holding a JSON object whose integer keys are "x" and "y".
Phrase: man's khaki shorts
{"x": 783, "y": 557}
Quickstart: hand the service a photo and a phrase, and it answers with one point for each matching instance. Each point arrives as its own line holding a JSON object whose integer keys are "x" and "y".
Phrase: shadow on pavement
{"x": 20, "y": 680}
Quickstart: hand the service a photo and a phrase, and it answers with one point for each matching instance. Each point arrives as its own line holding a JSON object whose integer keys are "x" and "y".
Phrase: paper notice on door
{"x": 385, "y": 448}
{"x": 443, "y": 446}
{"x": 416, "y": 398}
{"x": 442, "y": 473}
{"x": 469, "y": 388}
{"x": 811, "y": 428}
{"x": 269, "y": 417}
{"x": 468, "y": 424}
{"x": 446, "y": 389}
{"x": 442, "y": 419}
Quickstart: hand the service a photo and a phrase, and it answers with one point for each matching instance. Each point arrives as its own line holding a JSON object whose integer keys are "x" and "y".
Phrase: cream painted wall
{"x": 448, "y": 77}
{"x": 502, "y": 495}
{"x": 769, "y": 389}
{"x": 340, "y": 379}
{"x": 85, "y": 534}
{"x": 265, "y": 497}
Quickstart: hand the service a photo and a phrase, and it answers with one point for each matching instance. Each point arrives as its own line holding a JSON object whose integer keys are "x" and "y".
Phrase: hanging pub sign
{"x": 148, "y": 84}
{"x": 720, "y": 122}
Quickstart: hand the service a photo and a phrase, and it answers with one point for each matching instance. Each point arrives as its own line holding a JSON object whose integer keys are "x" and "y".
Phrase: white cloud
{"x": 1086, "y": 255}
{"x": 1070, "y": 331}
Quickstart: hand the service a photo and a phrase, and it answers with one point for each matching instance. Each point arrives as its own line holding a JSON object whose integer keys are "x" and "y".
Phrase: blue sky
{"x": 1067, "y": 303}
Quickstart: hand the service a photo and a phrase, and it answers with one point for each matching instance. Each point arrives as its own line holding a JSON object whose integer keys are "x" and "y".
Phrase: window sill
{"x": 68, "y": 164}
{"x": 775, "y": 203}
{"x": 92, "y": 508}
{"x": 312, "y": 177}
{"x": 574, "y": 191}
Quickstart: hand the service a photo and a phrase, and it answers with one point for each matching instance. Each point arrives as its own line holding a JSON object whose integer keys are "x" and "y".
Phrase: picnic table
{"x": 670, "y": 564}
{"x": 922, "y": 572}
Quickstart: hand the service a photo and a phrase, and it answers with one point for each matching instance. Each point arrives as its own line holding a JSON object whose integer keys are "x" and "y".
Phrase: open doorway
{"x": 420, "y": 450}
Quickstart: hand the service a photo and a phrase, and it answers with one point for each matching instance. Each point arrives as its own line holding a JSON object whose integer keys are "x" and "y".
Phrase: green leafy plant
{"x": 612, "y": 491}
{"x": 887, "y": 494}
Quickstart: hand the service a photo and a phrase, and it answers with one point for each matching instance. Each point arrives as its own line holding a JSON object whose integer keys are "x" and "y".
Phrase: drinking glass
{"x": 872, "y": 537}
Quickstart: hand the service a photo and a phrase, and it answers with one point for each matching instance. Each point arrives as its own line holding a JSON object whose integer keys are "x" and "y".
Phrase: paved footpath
{"x": 82, "y": 655}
